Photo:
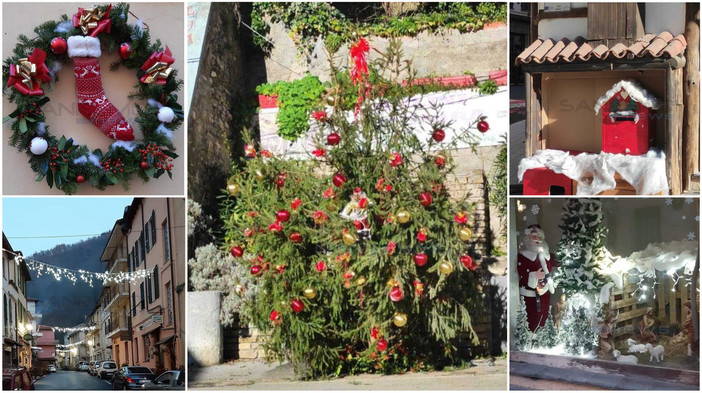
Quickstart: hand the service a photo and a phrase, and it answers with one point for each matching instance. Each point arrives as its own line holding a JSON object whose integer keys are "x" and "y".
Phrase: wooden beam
{"x": 673, "y": 129}
{"x": 534, "y": 25}
{"x": 691, "y": 94}
{"x": 533, "y": 119}
{"x": 606, "y": 65}
{"x": 573, "y": 13}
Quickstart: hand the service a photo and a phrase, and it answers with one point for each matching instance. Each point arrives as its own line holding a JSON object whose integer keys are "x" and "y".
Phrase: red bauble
{"x": 295, "y": 237}
{"x": 297, "y": 306}
{"x": 280, "y": 182}
{"x": 438, "y": 135}
{"x": 320, "y": 266}
{"x": 282, "y": 216}
{"x": 467, "y": 261}
{"x": 425, "y": 199}
{"x": 80, "y": 179}
{"x": 58, "y": 45}
{"x": 358, "y": 225}
{"x": 333, "y": 139}
{"x": 237, "y": 251}
{"x": 483, "y": 126}
{"x": 125, "y": 50}
{"x": 256, "y": 269}
{"x": 339, "y": 179}
{"x": 144, "y": 165}
{"x": 396, "y": 294}
{"x": 440, "y": 161}
{"x": 382, "y": 345}
{"x": 421, "y": 259}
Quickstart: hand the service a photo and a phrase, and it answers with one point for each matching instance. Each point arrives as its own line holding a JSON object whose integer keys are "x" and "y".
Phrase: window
{"x": 147, "y": 344}
{"x": 141, "y": 242}
{"x": 146, "y": 237}
{"x": 166, "y": 240}
{"x": 152, "y": 220}
{"x": 129, "y": 262}
{"x": 136, "y": 254}
{"x": 133, "y": 303}
{"x": 169, "y": 305}
{"x": 156, "y": 286}
{"x": 149, "y": 290}
{"x": 141, "y": 288}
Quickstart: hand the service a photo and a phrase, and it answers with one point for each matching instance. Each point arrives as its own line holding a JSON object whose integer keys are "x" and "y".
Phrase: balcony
{"x": 118, "y": 326}
{"x": 116, "y": 266}
{"x": 119, "y": 294}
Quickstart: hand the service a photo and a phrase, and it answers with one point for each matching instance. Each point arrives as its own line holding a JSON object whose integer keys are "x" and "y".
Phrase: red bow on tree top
{"x": 29, "y": 73}
{"x": 92, "y": 21}
{"x": 157, "y": 67}
{"x": 358, "y": 56}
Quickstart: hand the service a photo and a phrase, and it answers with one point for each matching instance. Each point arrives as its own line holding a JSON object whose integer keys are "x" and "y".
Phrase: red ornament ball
{"x": 382, "y": 345}
{"x": 125, "y": 50}
{"x": 320, "y": 266}
{"x": 396, "y": 294}
{"x": 425, "y": 199}
{"x": 295, "y": 237}
{"x": 58, "y": 45}
{"x": 237, "y": 251}
{"x": 297, "y": 306}
{"x": 144, "y": 165}
{"x": 339, "y": 179}
{"x": 421, "y": 259}
{"x": 483, "y": 126}
{"x": 440, "y": 161}
{"x": 438, "y": 135}
{"x": 80, "y": 179}
{"x": 333, "y": 139}
{"x": 256, "y": 269}
{"x": 282, "y": 216}
{"x": 467, "y": 261}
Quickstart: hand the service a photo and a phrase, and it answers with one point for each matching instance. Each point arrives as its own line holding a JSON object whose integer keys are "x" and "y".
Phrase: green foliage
{"x": 487, "y": 87}
{"x": 309, "y": 21}
{"x": 295, "y": 100}
{"x": 498, "y": 186}
{"x": 581, "y": 249}
{"x": 25, "y": 128}
{"x": 547, "y": 335}
{"x": 332, "y": 335}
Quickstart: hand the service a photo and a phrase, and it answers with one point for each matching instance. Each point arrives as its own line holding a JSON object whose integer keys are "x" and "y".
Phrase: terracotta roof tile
{"x": 565, "y": 50}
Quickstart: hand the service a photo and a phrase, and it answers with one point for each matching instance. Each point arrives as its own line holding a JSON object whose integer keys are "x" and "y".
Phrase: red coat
{"x": 537, "y": 312}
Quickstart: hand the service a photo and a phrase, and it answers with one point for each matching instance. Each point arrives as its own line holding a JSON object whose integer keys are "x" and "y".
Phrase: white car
{"x": 51, "y": 368}
{"x": 107, "y": 369}
{"x": 83, "y": 366}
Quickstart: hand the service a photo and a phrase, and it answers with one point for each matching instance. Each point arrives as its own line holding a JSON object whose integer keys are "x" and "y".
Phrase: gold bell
{"x": 403, "y": 217}
{"x": 309, "y": 293}
{"x": 465, "y": 234}
{"x": 349, "y": 238}
{"x": 445, "y": 267}
{"x": 399, "y": 319}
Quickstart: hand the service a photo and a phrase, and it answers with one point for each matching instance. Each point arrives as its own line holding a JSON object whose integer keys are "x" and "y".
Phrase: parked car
{"x": 132, "y": 377}
{"x": 107, "y": 369}
{"x": 17, "y": 378}
{"x": 82, "y": 366}
{"x": 51, "y": 368}
{"x": 93, "y": 367}
{"x": 169, "y": 380}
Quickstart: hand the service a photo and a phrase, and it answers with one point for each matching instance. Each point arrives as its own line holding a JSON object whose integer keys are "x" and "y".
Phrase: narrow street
{"x": 72, "y": 380}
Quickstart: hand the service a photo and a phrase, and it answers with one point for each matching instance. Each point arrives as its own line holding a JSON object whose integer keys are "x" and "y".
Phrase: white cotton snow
{"x": 664, "y": 257}
{"x": 41, "y": 129}
{"x": 94, "y": 160}
{"x": 64, "y": 27}
{"x": 126, "y": 145}
{"x": 595, "y": 172}
{"x": 163, "y": 130}
{"x": 81, "y": 160}
{"x": 635, "y": 91}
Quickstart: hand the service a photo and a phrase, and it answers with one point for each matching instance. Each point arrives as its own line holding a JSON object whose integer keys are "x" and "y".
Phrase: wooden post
{"x": 691, "y": 94}
{"x": 673, "y": 128}
{"x": 533, "y": 119}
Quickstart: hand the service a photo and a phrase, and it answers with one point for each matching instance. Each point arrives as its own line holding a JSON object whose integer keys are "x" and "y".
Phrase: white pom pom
{"x": 38, "y": 145}
{"x": 166, "y": 115}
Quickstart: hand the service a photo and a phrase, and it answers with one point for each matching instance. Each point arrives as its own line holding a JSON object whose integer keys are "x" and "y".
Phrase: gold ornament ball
{"x": 233, "y": 189}
{"x": 465, "y": 234}
{"x": 259, "y": 174}
{"x": 403, "y": 217}
{"x": 399, "y": 319}
{"x": 331, "y": 100}
{"x": 445, "y": 267}
{"x": 360, "y": 281}
{"x": 309, "y": 293}
{"x": 349, "y": 238}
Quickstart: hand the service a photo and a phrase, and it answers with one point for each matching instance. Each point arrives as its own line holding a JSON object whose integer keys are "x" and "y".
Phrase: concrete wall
{"x": 204, "y": 330}
{"x": 444, "y": 54}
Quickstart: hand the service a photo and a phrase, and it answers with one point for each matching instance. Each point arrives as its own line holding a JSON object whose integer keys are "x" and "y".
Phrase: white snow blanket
{"x": 634, "y": 90}
{"x": 460, "y": 107}
{"x": 669, "y": 256}
{"x": 595, "y": 172}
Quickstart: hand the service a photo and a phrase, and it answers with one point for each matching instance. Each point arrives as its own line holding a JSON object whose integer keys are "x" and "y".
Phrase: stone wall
{"x": 204, "y": 331}
{"x": 447, "y": 53}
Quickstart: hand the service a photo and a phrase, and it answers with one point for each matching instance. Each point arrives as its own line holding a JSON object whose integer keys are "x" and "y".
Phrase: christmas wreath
{"x": 33, "y": 68}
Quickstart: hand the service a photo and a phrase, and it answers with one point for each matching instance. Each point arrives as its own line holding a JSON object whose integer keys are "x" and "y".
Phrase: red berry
{"x": 144, "y": 165}
{"x": 333, "y": 139}
{"x": 256, "y": 269}
{"x": 483, "y": 126}
{"x": 425, "y": 199}
{"x": 282, "y": 216}
{"x": 297, "y": 306}
{"x": 320, "y": 266}
{"x": 237, "y": 251}
{"x": 382, "y": 345}
{"x": 440, "y": 161}
{"x": 295, "y": 237}
{"x": 438, "y": 135}
{"x": 80, "y": 179}
{"x": 421, "y": 259}
{"x": 339, "y": 179}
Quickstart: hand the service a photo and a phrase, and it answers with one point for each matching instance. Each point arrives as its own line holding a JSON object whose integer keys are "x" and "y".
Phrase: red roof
{"x": 565, "y": 50}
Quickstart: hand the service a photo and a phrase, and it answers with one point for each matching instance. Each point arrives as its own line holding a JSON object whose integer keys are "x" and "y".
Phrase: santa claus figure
{"x": 534, "y": 266}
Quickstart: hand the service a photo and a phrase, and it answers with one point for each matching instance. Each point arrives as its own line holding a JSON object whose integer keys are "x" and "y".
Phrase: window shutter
{"x": 156, "y": 283}
{"x": 146, "y": 238}
{"x": 153, "y": 227}
{"x": 149, "y": 291}
{"x": 141, "y": 288}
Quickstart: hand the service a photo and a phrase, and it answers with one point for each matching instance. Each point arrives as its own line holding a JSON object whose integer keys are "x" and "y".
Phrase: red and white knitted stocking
{"x": 92, "y": 101}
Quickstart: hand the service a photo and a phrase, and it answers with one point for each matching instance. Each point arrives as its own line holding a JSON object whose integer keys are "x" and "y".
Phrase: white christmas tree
{"x": 577, "y": 334}
{"x": 547, "y": 335}
{"x": 522, "y": 334}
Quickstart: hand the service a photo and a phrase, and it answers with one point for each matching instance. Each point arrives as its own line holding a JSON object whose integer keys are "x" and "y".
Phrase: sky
{"x": 62, "y": 216}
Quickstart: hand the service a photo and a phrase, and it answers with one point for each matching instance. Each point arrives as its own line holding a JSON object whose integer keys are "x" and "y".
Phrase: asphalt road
{"x": 72, "y": 380}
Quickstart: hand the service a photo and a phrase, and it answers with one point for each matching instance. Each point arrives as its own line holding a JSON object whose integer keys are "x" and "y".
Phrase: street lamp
{"x": 90, "y": 343}
{"x": 28, "y": 326}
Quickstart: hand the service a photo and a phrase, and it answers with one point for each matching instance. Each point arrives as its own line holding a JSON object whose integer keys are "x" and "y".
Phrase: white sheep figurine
{"x": 625, "y": 358}
{"x": 634, "y": 347}
{"x": 657, "y": 352}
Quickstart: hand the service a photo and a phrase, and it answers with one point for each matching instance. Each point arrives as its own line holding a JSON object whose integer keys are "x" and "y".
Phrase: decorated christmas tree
{"x": 577, "y": 333}
{"x": 547, "y": 335}
{"x": 581, "y": 249}
{"x": 522, "y": 334}
{"x": 363, "y": 260}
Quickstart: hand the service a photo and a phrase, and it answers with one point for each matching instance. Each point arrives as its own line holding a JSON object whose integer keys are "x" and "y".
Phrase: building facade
{"x": 155, "y": 233}
{"x": 46, "y": 341}
{"x": 17, "y": 319}
{"x": 78, "y": 347}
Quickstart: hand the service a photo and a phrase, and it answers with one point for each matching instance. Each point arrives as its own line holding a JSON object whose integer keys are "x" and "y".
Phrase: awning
{"x": 165, "y": 340}
{"x": 663, "y": 45}
{"x": 10, "y": 341}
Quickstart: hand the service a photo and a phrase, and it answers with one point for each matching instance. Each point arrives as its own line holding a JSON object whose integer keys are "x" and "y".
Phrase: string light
{"x": 69, "y": 346}
{"x": 72, "y": 329}
{"x": 73, "y": 275}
